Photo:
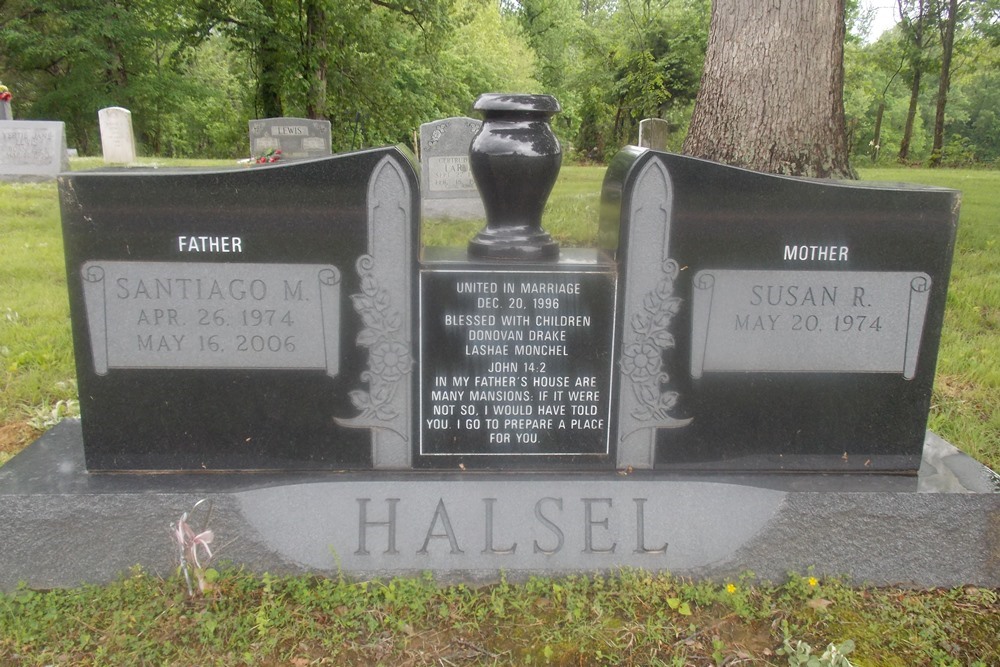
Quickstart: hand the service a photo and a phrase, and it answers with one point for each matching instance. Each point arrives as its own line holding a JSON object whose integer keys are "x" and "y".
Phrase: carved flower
{"x": 641, "y": 362}
{"x": 390, "y": 360}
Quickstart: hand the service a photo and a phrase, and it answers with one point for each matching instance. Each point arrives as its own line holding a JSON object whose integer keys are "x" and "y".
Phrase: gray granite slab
{"x": 62, "y": 526}
{"x": 32, "y": 150}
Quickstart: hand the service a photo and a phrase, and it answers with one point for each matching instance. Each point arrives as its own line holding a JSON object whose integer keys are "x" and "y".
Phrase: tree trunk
{"x": 877, "y": 141}
{"x": 315, "y": 59}
{"x": 771, "y": 96}
{"x": 944, "y": 82}
{"x": 914, "y": 20}
{"x": 269, "y": 78}
{"x": 911, "y": 114}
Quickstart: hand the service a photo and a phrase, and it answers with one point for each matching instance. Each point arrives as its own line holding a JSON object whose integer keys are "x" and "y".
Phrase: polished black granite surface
{"x": 216, "y": 314}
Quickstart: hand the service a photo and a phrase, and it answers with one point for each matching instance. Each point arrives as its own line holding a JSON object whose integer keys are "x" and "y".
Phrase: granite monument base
{"x": 62, "y": 526}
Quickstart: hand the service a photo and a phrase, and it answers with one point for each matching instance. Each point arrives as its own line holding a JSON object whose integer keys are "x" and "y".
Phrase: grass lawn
{"x": 629, "y": 618}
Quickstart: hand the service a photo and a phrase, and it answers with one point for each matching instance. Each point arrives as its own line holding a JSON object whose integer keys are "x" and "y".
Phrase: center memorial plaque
{"x": 516, "y": 362}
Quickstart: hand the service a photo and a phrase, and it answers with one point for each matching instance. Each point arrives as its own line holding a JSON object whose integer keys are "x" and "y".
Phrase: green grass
{"x": 36, "y": 352}
{"x": 966, "y": 401}
{"x": 631, "y": 618}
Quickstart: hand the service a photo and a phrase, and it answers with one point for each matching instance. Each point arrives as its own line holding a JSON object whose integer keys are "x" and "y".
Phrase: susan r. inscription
{"x": 808, "y": 321}
{"x": 213, "y": 315}
{"x": 516, "y": 362}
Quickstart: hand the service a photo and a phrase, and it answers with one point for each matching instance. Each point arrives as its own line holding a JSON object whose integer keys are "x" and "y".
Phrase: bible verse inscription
{"x": 516, "y": 362}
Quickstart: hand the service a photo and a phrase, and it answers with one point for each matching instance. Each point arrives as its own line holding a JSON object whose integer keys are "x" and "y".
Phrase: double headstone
{"x": 447, "y": 187}
{"x": 295, "y": 138}
{"x": 732, "y": 321}
{"x": 32, "y": 150}
{"x": 117, "y": 137}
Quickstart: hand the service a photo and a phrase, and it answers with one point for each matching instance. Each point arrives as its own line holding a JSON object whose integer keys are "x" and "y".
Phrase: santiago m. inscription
{"x": 212, "y": 315}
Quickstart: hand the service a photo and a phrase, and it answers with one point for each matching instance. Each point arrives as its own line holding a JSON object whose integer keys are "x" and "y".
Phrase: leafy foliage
{"x": 194, "y": 71}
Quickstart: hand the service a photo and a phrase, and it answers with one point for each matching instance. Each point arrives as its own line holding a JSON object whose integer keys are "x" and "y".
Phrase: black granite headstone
{"x": 251, "y": 319}
{"x": 774, "y": 323}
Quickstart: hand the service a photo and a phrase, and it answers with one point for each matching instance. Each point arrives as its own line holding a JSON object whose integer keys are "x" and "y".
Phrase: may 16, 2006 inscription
{"x": 212, "y": 315}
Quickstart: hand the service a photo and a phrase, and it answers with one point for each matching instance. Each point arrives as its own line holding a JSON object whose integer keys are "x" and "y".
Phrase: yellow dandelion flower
{"x": 813, "y": 582}
{"x": 730, "y": 588}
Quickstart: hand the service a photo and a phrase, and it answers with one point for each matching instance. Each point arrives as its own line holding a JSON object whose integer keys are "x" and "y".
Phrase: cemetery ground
{"x": 626, "y": 618}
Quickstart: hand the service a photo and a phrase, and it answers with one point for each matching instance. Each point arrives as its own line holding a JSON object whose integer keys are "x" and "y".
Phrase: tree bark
{"x": 914, "y": 30}
{"x": 911, "y": 114}
{"x": 771, "y": 96}
{"x": 947, "y": 26}
{"x": 269, "y": 59}
{"x": 316, "y": 59}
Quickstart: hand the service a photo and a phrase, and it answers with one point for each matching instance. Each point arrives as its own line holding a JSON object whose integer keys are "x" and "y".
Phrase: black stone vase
{"x": 515, "y": 159}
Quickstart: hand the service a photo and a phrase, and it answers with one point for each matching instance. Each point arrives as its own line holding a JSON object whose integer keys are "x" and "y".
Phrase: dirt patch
{"x": 15, "y": 436}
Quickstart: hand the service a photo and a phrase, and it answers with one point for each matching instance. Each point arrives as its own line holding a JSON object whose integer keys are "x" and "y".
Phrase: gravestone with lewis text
{"x": 32, "y": 150}
{"x": 447, "y": 186}
{"x": 296, "y": 138}
{"x": 117, "y": 136}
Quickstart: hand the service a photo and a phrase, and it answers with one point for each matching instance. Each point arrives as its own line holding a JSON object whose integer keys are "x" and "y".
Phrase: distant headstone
{"x": 447, "y": 187}
{"x": 5, "y": 111}
{"x": 653, "y": 133}
{"x": 72, "y": 152}
{"x": 117, "y": 138}
{"x": 296, "y": 138}
{"x": 32, "y": 150}
{"x": 219, "y": 329}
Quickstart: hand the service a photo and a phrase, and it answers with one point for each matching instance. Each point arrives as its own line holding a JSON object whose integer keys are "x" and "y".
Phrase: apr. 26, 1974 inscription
{"x": 212, "y": 315}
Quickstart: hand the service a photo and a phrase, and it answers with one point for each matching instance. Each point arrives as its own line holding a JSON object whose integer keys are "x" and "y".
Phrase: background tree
{"x": 194, "y": 71}
{"x": 947, "y": 19}
{"x": 771, "y": 94}
{"x": 917, "y": 30}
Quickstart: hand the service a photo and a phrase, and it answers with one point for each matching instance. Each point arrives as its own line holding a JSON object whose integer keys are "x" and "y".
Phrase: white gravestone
{"x": 32, "y": 150}
{"x": 653, "y": 133}
{"x": 117, "y": 139}
{"x": 447, "y": 188}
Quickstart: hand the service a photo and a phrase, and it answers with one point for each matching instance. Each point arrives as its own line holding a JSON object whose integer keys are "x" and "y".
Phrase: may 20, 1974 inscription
{"x": 212, "y": 315}
{"x": 808, "y": 321}
{"x": 516, "y": 362}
